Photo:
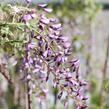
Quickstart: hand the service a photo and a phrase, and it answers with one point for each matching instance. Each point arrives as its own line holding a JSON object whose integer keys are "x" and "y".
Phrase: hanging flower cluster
{"x": 47, "y": 52}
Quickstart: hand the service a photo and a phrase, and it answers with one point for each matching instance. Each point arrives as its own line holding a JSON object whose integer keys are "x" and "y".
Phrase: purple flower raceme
{"x": 47, "y": 52}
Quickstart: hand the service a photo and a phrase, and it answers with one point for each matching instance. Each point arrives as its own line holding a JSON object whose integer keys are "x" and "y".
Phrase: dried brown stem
{"x": 4, "y": 71}
{"x": 28, "y": 96}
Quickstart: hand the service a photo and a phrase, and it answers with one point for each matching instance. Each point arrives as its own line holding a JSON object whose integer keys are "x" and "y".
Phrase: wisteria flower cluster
{"x": 48, "y": 52}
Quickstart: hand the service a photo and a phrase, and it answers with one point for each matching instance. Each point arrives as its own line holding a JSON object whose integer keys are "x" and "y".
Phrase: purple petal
{"x": 74, "y": 82}
{"x": 53, "y": 36}
{"x": 49, "y": 10}
{"x": 64, "y": 59}
{"x": 43, "y": 16}
{"x": 56, "y": 26}
{"x": 45, "y": 53}
{"x": 49, "y": 52}
{"x": 83, "y": 83}
{"x": 64, "y": 39}
{"x": 42, "y": 5}
{"x": 67, "y": 45}
{"x": 45, "y": 21}
{"x": 28, "y": 77}
{"x": 53, "y": 20}
{"x": 59, "y": 59}
{"x": 36, "y": 70}
{"x": 27, "y": 17}
{"x": 33, "y": 15}
{"x": 38, "y": 37}
{"x": 31, "y": 45}
{"x": 26, "y": 65}
{"x": 75, "y": 63}
{"x": 66, "y": 104}
{"x": 45, "y": 91}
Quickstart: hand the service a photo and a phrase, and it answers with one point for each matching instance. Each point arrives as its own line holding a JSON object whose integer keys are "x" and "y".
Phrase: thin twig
{"x": 104, "y": 71}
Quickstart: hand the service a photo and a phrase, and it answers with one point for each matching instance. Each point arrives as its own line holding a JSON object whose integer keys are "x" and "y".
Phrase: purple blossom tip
{"x": 48, "y": 10}
{"x": 42, "y": 5}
